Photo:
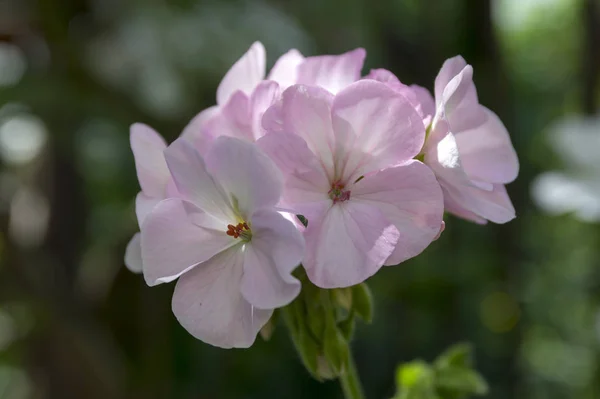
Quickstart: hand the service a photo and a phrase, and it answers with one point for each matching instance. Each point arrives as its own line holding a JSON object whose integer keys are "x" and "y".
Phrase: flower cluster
{"x": 368, "y": 162}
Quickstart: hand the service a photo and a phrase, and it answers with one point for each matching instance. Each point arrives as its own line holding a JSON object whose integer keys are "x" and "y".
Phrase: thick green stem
{"x": 350, "y": 381}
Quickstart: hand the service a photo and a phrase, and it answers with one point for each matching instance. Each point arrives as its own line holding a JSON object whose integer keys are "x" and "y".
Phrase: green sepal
{"x": 362, "y": 302}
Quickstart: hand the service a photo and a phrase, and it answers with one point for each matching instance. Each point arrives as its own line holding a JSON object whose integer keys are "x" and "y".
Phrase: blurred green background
{"x": 74, "y": 74}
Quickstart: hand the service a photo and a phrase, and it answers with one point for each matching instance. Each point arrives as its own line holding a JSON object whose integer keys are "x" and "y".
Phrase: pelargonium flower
{"x": 467, "y": 147}
{"x": 349, "y": 169}
{"x": 244, "y": 95}
{"x": 155, "y": 180}
{"x": 230, "y": 250}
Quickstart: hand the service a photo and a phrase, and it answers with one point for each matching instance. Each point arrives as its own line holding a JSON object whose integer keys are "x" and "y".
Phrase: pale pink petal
{"x": 306, "y": 184}
{"x": 487, "y": 153}
{"x": 348, "y": 245}
{"x": 305, "y": 111}
{"x": 144, "y": 205}
{"x": 383, "y": 76}
{"x": 208, "y": 303}
{"x": 172, "y": 244}
{"x": 248, "y": 176}
{"x": 193, "y": 181}
{"x": 233, "y": 119}
{"x": 265, "y": 94}
{"x": 245, "y": 74}
{"x": 285, "y": 70}
{"x": 451, "y": 67}
{"x": 276, "y": 249}
{"x": 452, "y": 207}
{"x": 332, "y": 72}
{"x": 459, "y": 103}
{"x": 147, "y": 146}
{"x": 133, "y": 254}
{"x": 489, "y": 203}
{"x": 375, "y": 127}
{"x": 411, "y": 198}
{"x": 426, "y": 102}
{"x": 195, "y": 131}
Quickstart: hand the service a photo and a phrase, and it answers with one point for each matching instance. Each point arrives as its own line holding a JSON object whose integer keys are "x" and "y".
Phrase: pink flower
{"x": 349, "y": 170}
{"x": 244, "y": 95}
{"x": 469, "y": 149}
{"x": 232, "y": 253}
{"x": 155, "y": 180}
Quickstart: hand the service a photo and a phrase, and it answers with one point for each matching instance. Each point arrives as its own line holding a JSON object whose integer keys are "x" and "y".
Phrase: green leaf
{"x": 362, "y": 302}
{"x": 461, "y": 380}
{"x": 415, "y": 380}
{"x": 460, "y": 355}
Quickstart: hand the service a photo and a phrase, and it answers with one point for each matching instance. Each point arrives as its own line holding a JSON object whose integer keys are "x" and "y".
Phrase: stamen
{"x": 338, "y": 194}
{"x": 241, "y": 230}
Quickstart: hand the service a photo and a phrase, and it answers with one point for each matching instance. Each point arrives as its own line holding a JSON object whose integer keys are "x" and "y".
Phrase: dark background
{"x": 74, "y": 74}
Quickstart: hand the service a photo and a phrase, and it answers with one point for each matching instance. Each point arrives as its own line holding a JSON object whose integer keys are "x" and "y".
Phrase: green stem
{"x": 350, "y": 381}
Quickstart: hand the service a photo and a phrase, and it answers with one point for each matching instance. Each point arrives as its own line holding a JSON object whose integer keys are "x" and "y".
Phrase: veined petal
{"x": 133, "y": 254}
{"x": 487, "y": 153}
{"x": 375, "y": 127}
{"x": 285, "y": 70}
{"x": 305, "y": 111}
{"x": 276, "y": 249}
{"x": 245, "y": 173}
{"x": 411, "y": 198}
{"x": 451, "y": 67}
{"x": 245, "y": 74}
{"x": 332, "y": 72}
{"x": 148, "y": 146}
{"x": 265, "y": 94}
{"x": 194, "y": 182}
{"x": 173, "y": 245}
{"x": 348, "y": 245}
{"x": 208, "y": 303}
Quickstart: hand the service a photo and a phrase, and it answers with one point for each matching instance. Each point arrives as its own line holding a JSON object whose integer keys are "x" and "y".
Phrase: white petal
{"x": 208, "y": 303}
{"x": 245, "y": 74}
{"x": 148, "y": 146}
{"x": 276, "y": 249}
{"x": 172, "y": 244}
{"x": 285, "y": 70}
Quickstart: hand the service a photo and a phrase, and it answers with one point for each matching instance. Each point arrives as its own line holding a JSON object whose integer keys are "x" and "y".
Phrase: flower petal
{"x": 172, "y": 244}
{"x": 276, "y": 249}
{"x": 491, "y": 203}
{"x": 306, "y": 184}
{"x": 208, "y": 303}
{"x": 133, "y": 254}
{"x": 144, "y": 205}
{"x": 348, "y": 245}
{"x": 426, "y": 102}
{"x": 285, "y": 70}
{"x": 411, "y": 198}
{"x": 375, "y": 127}
{"x": 233, "y": 119}
{"x": 245, "y": 74}
{"x": 195, "y": 131}
{"x": 245, "y": 173}
{"x": 332, "y": 72}
{"x": 147, "y": 146}
{"x": 194, "y": 182}
{"x": 487, "y": 153}
{"x": 265, "y": 94}
{"x": 451, "y": 67}
{"x": 305, "y": 111}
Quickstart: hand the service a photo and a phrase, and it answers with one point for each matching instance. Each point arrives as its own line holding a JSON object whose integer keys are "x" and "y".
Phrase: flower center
{"x": 338, "y": 194}
{"x": 241, "y": 230}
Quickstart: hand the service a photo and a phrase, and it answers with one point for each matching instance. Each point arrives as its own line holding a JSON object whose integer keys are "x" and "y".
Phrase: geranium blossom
{"x": 349, "y": 169}
{"x": 468, "y": 147}
{"x": 154, "y": 178}
{"x": 246, "y": 91}
{"x": 231, "y": 251}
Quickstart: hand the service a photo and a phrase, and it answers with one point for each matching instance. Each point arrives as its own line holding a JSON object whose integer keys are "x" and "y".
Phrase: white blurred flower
{"x": 576, "y": 189}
